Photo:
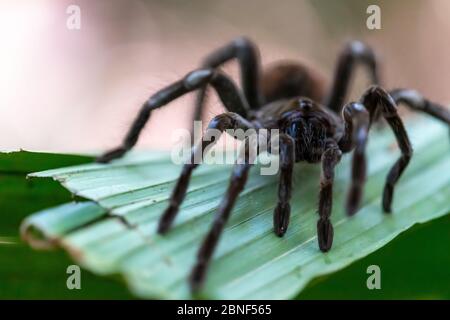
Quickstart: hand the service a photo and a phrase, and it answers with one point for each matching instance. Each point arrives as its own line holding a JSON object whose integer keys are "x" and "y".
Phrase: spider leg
{"x": 330, "y": 159}
{"x": 224, "y": 86}
{"x": 377, "y": 98}
{"x": 417, "y": 102}
{"x": 221, "y": 122}
{"x": 354, "y": 53}
{"x": 236, "y": 185}
{"x": 356, "y": 119}
{"x": 283, "y": 209}
{"x": 248, "y": 56}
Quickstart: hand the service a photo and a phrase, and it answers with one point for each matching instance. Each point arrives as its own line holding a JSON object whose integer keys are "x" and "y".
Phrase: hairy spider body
{"x": 309, "y": 124}
{"x": 315, "y": 124}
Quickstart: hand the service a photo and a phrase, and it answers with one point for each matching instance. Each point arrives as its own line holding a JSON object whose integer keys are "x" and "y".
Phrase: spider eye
{"x": 292, "y": 129}
{"x": 305, "y": 104}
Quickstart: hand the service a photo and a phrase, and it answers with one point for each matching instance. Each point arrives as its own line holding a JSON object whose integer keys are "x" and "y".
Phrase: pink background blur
{"x": 78, "y": 90}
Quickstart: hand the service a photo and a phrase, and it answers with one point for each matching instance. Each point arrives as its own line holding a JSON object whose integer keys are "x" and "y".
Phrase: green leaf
{"x": 114, "y": 232}
{"x": 29, "y": 274}
{"x": 20, "y": 196}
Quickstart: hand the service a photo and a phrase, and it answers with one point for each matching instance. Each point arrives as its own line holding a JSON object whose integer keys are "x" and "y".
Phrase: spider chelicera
{"x": 294, "y": 99}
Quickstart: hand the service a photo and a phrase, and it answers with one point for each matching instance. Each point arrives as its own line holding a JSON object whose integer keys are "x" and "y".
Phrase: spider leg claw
{"x": 166, "y": 219}
{"x": 351, "y": 208}
{"x": 281, "y": 218}
{"x": 387, "y": 198}
{"x": 111, "y": 155}
{"x": 197, "y": 277}
{"x": 353, "y": 200}
{"x": 325, "y": 234}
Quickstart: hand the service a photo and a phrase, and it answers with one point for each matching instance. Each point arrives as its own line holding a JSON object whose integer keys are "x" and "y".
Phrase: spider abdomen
{"x": 288, "y": 79}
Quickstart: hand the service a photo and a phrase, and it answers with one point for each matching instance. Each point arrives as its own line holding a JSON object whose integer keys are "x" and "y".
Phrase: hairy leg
{"x": 221, "y": 122}
{"x": 283, "y": 208}
{"x": 248, "y": 57}
{"x": 417, "y": 102}
{"x": 356, "y": 119}
{"x": 228, "y": 93}
{"x": 354, "y": 53}
{"x": 377, "y": 98}
{"x": 330, "y": 159}
{"x": 235, "y": 187}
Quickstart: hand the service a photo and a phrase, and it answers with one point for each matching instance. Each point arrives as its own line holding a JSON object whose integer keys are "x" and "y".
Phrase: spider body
{"x": 289, "y": 79}
{"x": 308, "y": 123}
{"x": 316, "y": 125}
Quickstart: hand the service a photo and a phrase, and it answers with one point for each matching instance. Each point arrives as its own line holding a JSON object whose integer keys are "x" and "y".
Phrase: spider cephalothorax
{"x": 315, "y": 126}
{"x": 310, "y": 126}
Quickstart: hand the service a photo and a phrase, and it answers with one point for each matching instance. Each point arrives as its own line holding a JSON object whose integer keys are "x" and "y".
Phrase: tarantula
{"x": 294, "y": 99}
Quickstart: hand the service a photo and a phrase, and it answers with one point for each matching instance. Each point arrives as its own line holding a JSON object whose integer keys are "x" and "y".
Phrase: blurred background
{"x": 78, "y": 90}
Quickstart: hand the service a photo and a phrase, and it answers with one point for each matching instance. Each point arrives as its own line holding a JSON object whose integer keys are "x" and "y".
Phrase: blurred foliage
{"x": 413, "y": 266}
{"x": 29, "y": 274}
